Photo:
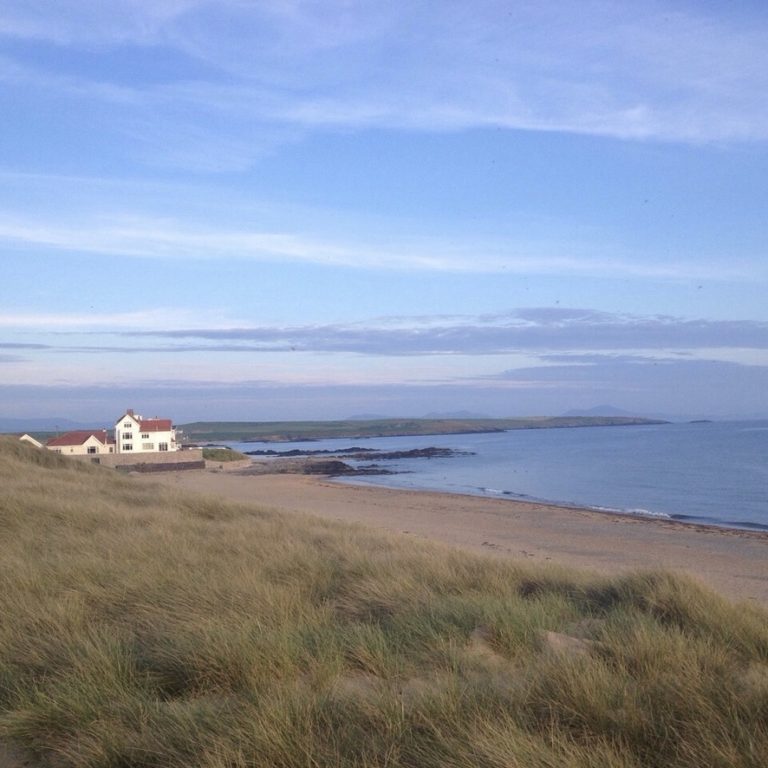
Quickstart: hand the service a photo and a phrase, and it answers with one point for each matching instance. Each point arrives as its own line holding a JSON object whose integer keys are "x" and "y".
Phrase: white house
{"x": 135, "y": 434}
{"x": 82, "y": 442}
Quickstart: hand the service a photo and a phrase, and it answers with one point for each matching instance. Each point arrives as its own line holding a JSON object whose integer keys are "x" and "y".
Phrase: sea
{"x": 714, "y": 473}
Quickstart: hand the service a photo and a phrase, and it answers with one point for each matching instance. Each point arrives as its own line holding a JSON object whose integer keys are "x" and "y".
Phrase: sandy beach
{"x": 735, "y": 563}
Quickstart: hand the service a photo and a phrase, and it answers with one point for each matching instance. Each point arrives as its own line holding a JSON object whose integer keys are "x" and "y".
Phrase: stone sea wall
{"x": 157, "y": 461}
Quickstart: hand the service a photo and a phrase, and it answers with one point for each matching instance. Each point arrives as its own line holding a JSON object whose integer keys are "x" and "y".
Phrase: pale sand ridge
{"x": 734, "y": 563}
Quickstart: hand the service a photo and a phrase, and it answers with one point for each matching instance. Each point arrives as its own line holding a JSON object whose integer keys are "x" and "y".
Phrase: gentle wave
{"x": 513, "y": 494}
{"x": 746, "y": 525}
{"x": 612, "y": 510}
{"x": 633, "y": 511}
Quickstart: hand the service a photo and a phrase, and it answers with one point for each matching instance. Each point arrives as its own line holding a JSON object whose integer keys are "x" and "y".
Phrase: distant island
{"x": 287, "y": 431}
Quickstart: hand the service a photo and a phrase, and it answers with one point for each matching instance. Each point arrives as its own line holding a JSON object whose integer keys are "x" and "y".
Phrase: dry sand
{"x": 734, "y": 563}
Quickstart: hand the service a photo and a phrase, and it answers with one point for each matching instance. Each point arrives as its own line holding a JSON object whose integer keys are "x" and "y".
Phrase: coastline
{"x": 732, "y": 561}
{"x": 640, "y": 514}
{"x": 685, "y": 473}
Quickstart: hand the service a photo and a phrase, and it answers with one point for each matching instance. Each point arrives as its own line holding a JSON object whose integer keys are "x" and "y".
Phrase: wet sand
{"x": 735, "y": 563}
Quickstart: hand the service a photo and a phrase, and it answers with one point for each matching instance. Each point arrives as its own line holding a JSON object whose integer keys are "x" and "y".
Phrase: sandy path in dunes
{"x": 733, "y": 562}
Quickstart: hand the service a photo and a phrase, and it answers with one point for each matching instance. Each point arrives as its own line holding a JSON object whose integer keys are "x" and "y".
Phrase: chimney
{"x": 130, "y": 411}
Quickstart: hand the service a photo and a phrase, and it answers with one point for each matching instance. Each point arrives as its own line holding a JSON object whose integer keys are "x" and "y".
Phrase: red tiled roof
{"x": 79, "y": 436}
{"x": 155, "y": 425}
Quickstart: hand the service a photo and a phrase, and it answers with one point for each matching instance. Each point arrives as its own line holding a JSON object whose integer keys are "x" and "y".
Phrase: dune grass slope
{"x": 141, "y": 627}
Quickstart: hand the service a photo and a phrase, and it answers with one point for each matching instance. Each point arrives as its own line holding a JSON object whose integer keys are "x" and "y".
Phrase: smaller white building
{"x": 135, "y": 434}
{"x": 82, "y": 442}
{"x": 25, "y": 438}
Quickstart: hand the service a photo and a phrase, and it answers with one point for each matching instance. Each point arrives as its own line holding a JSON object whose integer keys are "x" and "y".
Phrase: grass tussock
{"x": 145, "y": 628}
{"x": 223, "y": 455}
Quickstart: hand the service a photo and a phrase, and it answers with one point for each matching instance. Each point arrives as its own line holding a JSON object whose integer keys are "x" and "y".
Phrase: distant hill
{"x": 456, "y": 415}
{"x": 52, "y": 424}
{"x": 283, "y": 431}
{"x": 609, "y": 410}
{"x": 599, "y": 410}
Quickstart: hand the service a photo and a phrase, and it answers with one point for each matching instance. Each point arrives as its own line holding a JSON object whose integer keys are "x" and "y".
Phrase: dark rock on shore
{"x": 298, "y": 462}
{"x": 316, "y": 452}
{"x": 414, "y": 453}
{"x": 356, "y": 452}
{"x": 336, "y": 468}
{"x": 311, "y": 466}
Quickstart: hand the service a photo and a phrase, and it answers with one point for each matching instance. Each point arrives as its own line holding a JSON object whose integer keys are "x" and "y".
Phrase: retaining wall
{"x": 157, "y": 461}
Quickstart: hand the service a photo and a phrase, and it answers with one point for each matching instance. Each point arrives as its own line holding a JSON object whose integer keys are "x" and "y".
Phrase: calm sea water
{"x": 713, "y": 473}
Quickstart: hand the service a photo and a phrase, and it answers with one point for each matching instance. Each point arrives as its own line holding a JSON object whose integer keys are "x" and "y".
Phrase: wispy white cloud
{"x": 86, "y": 22}
{"x": 549, "y": 337}
{"x": 150, "y": 318}
{"x": 150, "y": 238}
{"x": 580, "y": 332}
{"x": 681, "y": 387}
{"x": 554, "y": 359}
{"x": 607, "y": 68}
{"x": 513, "y": 334}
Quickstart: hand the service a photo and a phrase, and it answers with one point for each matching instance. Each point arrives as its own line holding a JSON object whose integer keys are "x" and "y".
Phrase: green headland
{"x": 281, "y": 431}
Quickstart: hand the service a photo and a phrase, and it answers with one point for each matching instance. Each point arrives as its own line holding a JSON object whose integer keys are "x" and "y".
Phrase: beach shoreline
{"x": 732, "y": 561}
{"x": 686, "y": 521}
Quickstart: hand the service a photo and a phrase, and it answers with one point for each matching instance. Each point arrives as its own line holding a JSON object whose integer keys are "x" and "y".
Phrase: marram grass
{"x": 139, "y": 627}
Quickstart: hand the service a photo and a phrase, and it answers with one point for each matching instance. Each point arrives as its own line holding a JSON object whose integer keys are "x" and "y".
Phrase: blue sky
{"x": 293, "y": 209}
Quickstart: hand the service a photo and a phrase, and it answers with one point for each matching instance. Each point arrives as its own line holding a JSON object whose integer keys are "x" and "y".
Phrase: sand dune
{"x": 733, "y": 562}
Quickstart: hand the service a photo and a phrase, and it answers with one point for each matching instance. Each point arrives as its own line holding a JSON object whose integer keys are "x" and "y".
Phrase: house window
{"x": 127, "y": 446}
{"x": 162, "y": 447}
{"x": 127, "y": 435}
{"x": 127, "y": 425}
{"x": 145, "y": 435}
{"x": 147, "y": 446}
{"x": 92, "y": 449}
